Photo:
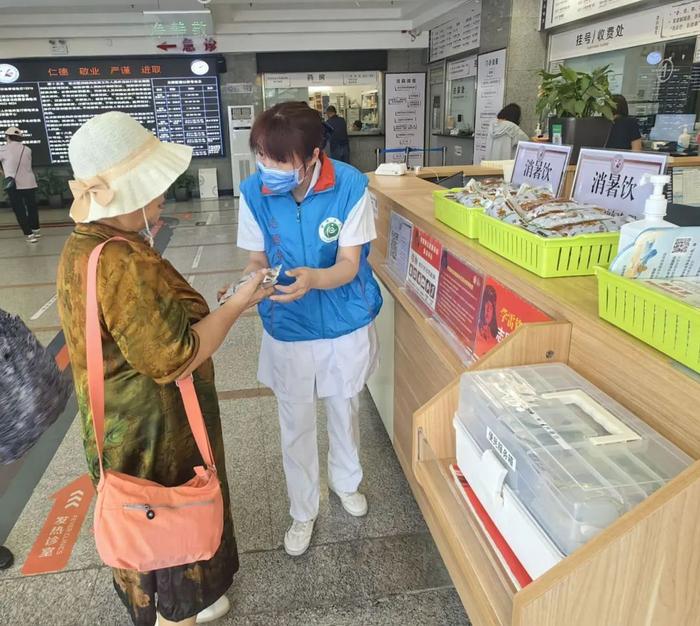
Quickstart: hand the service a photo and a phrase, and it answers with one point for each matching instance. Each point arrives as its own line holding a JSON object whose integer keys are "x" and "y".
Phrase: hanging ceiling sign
{"x": 461, "y": 33}
{"x": 679, "y": 19}
{"x": 560, "y": 12}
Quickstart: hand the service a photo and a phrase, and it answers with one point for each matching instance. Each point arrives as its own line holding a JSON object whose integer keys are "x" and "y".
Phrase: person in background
{"x": 339, "y": 144}
{"x": 504, "y": 134}
{"x": 357, "y": 126}
{"x": 16, "y": 160}
{"x": 313, "y": 216}
{"x": 624, "y": 134}
{"x": 156, "y": 330}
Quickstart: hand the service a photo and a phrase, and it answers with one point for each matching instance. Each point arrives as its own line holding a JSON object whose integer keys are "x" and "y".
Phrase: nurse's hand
{"x": 299, "y": 288}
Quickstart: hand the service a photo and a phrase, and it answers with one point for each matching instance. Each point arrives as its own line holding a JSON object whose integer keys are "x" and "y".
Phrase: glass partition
{"x": 357, "y": 96}
{"x": 657, "y": 78}
{"x": 460, "y": 111}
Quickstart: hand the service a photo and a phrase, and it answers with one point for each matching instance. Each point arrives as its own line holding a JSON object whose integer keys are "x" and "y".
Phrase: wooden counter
{"x": 661, "y": 392}
{"x": 445, "y": 171}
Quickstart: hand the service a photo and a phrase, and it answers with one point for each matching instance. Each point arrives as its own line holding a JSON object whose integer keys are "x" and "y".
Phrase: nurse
{"x": 312, "y": 216}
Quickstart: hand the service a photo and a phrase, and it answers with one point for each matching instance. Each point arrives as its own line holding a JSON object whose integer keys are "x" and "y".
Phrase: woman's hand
{"x": 222, "y": 292}
{"x": 251, "y": 292}
{"x": 305, "y": 282}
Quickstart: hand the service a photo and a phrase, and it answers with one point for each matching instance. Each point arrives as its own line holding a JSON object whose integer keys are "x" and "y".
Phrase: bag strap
{"x": 21, "y": 154}
{"x": 95, "y": 370}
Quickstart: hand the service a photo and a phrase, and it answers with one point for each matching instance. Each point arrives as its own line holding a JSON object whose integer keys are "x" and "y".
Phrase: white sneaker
{"x": 37, "y": 233}
{"x": 32, "y": 238}
{"x": 354, "y": 503}
{"x": 298, "y": 537}
{"x": 215, "y": 611}
{"x": 211, "y": 613}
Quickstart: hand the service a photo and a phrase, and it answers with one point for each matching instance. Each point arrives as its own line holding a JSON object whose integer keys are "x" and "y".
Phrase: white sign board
{"x": 490, "y": 90}
{"x": 462, "y": 68}
{"x": 681, "y": 19}
{"x": 321, "y": 79}
{"x": 611, "y": 179}
{"x": 405, "y": 116}
{"x": 541, "y": 164}
{"x": 563, "y": 11}
{"x": 671, "y": 21}
{"x": 461, "y": 33}
{"x": 399, "y": 246}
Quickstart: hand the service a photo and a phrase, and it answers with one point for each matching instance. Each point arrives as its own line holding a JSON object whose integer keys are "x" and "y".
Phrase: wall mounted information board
{"x": 490, "y": 91}
{"x": 560, "y": 12}
{"x": 405, "y": 116}
{"x": 175, "y": 98}
{"x": 461, "y": 33}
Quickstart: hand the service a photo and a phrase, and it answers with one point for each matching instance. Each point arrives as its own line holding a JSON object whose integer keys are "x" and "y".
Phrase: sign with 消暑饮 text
{"x": 612, "y": 179}
{"x": 541, "y": 165}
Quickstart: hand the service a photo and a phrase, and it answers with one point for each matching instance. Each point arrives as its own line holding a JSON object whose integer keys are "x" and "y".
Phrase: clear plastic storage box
{"x": 575, "y": 458}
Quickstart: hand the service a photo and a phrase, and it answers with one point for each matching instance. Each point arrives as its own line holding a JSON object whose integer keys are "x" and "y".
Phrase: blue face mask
{"x": 279, "y": 181}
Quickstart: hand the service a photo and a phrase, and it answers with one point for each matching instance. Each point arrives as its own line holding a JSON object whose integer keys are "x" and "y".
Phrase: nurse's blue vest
{"x": 306, "y": 235}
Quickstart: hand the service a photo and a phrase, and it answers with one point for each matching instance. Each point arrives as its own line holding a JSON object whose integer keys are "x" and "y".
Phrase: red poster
{"x": 458, "y": 299}
{"x": 502, "y": 311}
{"x": 424, "y": 266}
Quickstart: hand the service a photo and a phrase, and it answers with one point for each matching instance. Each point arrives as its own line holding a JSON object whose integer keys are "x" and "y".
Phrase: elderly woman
{"x": 156, "y": 329}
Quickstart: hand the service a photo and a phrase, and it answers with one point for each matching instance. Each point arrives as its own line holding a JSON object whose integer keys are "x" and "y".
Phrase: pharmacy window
{"x": 357, "y": 96}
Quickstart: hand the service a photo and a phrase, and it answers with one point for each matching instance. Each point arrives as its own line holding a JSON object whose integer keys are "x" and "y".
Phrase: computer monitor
{"x": 668, "y": 127}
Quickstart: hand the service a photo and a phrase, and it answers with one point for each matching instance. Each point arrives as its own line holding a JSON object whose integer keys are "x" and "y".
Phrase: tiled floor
{"x": 383, "y": 569}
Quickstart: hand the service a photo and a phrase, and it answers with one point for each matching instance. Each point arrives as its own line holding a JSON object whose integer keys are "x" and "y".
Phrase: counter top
{"x": 607, "y": 356}
{"x": 471, "y": 136}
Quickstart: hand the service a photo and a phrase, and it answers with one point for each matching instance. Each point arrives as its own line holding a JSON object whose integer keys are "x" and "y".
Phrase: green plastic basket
{"x": 461, "y": 218}
{"x": 548, "y": 257}
{"x": 667, "y": 324}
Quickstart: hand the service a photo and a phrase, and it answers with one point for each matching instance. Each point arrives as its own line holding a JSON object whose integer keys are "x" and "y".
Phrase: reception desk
{"x": 643, "y": 569}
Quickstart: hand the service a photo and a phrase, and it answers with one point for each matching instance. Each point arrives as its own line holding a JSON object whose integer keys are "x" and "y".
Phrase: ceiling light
{"x": 189, "y": 12}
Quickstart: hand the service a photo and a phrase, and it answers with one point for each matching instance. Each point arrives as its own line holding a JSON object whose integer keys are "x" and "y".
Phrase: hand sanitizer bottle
{"x": 556, "y": 134}
{"x": 684, "y": 139}
{"x": 654, "y": 211}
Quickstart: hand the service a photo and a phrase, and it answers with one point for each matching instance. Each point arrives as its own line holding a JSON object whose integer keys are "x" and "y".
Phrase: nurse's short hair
{"x": 288, "y": 129}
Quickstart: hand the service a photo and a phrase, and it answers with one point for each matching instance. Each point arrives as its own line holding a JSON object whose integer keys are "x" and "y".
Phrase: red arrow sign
{"x": 52, "y": 549}
{"x": 166, "y": 46}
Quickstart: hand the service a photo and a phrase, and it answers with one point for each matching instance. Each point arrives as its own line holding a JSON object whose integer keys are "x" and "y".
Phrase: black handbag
{"x": 33, "y": 392}
{"x": 10, "y": 184}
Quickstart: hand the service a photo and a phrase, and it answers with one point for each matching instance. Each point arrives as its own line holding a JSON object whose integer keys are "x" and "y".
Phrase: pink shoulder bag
{"x": 139, "y": 524}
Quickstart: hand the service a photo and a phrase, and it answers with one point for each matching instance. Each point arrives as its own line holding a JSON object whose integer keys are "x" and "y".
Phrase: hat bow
{"x": 83, "y": 193}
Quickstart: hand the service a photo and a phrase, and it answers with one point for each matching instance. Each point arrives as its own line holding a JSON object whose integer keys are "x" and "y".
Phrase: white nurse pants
{"x": 300, "y": 451}
{"x": 301, "y": 372}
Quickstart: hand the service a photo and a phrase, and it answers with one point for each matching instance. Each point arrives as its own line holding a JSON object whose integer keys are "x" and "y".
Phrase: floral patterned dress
{"x": 146, "y": 311}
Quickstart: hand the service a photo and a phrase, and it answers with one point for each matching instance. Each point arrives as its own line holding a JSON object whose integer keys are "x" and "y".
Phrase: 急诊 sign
{"x": 611, "y": 179}
{"x": 541, "y": 165}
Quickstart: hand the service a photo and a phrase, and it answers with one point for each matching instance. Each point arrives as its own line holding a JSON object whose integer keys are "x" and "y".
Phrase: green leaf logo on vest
{"x": 329, "y": 230}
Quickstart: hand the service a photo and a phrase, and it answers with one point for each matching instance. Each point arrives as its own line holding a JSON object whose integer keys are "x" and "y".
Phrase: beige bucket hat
{"x": 120, "y": 166}
{"x": 13, "y": 131}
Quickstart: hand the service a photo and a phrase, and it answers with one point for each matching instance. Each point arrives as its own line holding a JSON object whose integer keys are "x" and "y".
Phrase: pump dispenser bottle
{"x": 654, "y": 211}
